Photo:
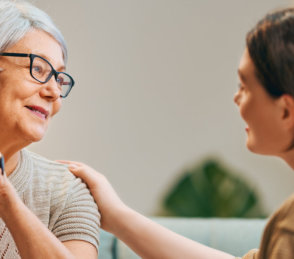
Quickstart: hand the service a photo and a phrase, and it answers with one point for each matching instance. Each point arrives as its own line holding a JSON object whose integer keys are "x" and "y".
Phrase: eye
{"x": 37, "y": 69}
{"x": 60, "y": 80}
{"x": 241, "y": 86}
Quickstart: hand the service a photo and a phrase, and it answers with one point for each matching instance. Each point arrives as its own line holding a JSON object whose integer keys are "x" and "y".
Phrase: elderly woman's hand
{"x": 8, "y": 196}
{"x": 109, "y": 204}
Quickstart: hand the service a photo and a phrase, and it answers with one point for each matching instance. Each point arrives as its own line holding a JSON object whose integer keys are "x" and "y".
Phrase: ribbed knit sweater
{"x": 59, "y": 199}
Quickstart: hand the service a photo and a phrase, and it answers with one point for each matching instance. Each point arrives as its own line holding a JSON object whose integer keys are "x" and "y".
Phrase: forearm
{"x": 150, "y": 240}
{"x": 31, "y": 237}
{"x": 145, "y": 237}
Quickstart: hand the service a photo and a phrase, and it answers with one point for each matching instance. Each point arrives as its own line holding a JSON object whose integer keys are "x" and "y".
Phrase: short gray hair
{"x": 17, "y": 17}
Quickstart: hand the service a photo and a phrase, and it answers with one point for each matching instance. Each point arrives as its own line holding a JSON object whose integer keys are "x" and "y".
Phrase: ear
{"x": 286, "y": 104}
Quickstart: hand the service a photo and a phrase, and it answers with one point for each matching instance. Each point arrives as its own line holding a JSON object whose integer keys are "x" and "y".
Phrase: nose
{"x": 50, "y": 90}
{"x": 237, "y": 98}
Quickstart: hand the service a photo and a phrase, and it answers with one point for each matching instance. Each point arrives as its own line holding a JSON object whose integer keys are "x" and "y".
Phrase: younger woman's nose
{"x": 237, "y": 98}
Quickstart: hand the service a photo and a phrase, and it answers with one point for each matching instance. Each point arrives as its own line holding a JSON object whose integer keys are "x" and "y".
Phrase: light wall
{"x": 154, "y": 90}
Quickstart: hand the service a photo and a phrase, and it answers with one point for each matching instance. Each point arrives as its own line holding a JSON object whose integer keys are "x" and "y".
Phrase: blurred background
{"x": 154, "y": 90}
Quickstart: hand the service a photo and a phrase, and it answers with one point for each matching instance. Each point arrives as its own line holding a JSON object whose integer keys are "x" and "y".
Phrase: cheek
{"x": 248, "y": 109}
{"x": 244, "y": 111}
{"x": 56, "y": 106}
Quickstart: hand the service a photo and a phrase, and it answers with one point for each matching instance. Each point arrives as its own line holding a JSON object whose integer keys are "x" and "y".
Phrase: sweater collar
{"x": 22, "y": 175}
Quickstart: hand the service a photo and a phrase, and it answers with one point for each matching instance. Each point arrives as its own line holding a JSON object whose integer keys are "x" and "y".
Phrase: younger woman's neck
{"x": 288, "y": 157}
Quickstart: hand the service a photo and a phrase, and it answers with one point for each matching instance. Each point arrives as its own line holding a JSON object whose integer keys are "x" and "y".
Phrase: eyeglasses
{"x": 41, "y": 70}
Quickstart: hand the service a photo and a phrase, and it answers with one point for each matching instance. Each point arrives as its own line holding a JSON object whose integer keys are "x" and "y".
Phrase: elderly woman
{"x": 45, "y": 211}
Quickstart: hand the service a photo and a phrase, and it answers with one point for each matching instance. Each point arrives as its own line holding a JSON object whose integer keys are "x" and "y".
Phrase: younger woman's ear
{"x": 286, "y": 103}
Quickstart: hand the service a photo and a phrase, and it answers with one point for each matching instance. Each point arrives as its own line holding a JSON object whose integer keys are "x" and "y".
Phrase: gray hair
{"x": 17, "y": 17}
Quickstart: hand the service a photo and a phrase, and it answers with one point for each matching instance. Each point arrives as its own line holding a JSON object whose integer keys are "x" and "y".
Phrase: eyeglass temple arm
{"x": 9, "y": 54}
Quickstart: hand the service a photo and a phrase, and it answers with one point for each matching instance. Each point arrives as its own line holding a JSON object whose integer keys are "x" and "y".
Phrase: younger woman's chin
{"x": 254, "y": 148}
{"x": 260, "y": 151}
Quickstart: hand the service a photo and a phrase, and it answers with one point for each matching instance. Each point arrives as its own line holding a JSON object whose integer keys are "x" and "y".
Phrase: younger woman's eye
{"x": 240, "y": 86}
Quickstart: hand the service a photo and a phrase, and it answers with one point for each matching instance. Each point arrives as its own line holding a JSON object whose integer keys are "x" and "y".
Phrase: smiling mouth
{"x": 39, "y": 111}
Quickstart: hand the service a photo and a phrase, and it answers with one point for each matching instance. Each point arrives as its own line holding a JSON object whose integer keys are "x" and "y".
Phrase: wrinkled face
{"x": 27, "y": 106}
{"x": 260, "y": 111}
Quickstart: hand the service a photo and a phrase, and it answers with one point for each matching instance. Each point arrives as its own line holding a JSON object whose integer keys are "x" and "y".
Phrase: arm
{"x": 78, "y": 221}
{"x": 145, "y": 237}
{"x": 81, "y": 249}
{"x": 150, "y": 240}
{"x": 31, "y": 237}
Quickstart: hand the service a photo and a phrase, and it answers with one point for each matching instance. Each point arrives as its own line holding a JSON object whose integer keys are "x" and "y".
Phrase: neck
{"x": 288, "y": 157}
{"x": 11, "y": 162}
{"x": 11, "y": 151}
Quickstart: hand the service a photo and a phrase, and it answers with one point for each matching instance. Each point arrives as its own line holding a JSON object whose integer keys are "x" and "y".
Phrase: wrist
{"x": 14, "y": 208}
{"x": 10, "y": 203}
{"x": 119, "y": 221}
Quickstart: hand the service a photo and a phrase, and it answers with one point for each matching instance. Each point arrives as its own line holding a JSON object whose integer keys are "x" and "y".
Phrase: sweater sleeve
{"x": 283, "y": 247}
{"x": 79, "y": 219}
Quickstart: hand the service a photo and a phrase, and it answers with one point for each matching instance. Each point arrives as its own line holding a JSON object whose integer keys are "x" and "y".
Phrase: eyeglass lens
{"x": 42, "y": 71}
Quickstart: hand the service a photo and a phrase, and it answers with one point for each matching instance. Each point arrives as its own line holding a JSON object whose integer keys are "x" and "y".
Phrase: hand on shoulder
{"x": 109, "y": 204}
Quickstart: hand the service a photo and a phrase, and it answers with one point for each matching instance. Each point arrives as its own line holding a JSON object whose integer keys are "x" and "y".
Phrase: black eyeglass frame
{"x": 53, "y": 71}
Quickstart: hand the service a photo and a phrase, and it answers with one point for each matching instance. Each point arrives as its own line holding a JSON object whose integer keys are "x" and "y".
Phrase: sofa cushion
{"x": 107, "y": 245}
{"x": 234, "y": 236}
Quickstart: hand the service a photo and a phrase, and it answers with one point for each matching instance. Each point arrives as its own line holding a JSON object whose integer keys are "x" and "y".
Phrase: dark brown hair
{"x": 271, "y": 47}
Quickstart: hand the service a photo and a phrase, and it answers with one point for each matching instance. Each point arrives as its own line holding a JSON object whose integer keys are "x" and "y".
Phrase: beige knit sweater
{"x": 61, "y": 201}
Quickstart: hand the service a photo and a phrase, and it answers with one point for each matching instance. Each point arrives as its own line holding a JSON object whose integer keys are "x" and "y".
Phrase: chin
{"x": 35, "y": 135}
{"x": 37, "y": 139}
{"x": 33, "y": 138}
{"x": 253, "y": 147}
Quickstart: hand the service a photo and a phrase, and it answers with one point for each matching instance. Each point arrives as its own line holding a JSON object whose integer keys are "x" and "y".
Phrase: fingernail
{"x": 72, "y": 167}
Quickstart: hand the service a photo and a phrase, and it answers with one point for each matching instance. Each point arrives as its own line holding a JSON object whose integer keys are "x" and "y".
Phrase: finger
{"x": 76, "y": 170}
{"x": 64, "y": 161}
{"x": 68, "y": 162}
{"x": 73, "y": 167}
{"x": 80, "y": 170}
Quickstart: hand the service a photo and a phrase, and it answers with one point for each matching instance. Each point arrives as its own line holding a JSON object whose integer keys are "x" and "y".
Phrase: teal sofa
{"x": 234, "y": 236}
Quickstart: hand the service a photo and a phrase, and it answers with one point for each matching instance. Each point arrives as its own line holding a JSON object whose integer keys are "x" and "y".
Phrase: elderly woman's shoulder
{"x": 48, "y": 167}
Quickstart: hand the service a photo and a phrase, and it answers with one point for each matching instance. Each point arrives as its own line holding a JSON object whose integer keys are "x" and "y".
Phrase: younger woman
{"x": 266, "y": 102}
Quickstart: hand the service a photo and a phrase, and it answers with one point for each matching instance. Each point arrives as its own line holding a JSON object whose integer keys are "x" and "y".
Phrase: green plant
{"x": 210, "y": 190}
